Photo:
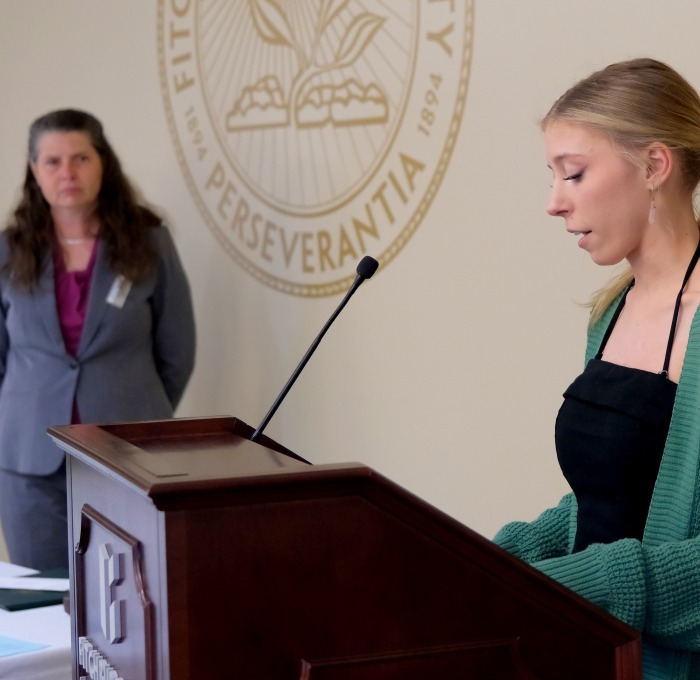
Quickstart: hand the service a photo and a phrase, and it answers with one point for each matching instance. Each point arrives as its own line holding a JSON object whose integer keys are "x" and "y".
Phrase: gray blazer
{"x": 133, "y": 362}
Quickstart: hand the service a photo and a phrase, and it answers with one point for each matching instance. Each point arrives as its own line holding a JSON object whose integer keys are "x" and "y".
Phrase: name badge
{"x": 119, "y": 291}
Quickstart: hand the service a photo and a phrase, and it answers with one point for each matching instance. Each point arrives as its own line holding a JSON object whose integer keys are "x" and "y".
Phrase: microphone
{"x": 365, "y": 270}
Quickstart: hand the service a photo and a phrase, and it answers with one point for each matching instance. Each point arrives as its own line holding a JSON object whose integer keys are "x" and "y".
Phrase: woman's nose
{"x": 556, "y": 205}
{"x": 68, "y": 169}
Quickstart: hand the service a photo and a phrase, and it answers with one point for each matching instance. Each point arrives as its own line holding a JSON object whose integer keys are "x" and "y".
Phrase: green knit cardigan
{"x": 652, "y": 584}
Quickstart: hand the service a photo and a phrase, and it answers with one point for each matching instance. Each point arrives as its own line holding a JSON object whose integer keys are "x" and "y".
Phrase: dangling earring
{"x": 652, "y": 209}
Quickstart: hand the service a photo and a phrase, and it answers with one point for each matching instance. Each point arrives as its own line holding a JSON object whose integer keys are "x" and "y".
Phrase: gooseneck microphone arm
{"x": 368, "y": 265}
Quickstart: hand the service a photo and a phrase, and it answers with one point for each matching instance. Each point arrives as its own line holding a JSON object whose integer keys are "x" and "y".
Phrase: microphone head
{"x": 368, "y": 265}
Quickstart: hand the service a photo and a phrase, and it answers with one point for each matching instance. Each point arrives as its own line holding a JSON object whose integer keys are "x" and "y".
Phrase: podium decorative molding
{"x": 100, "y": 572}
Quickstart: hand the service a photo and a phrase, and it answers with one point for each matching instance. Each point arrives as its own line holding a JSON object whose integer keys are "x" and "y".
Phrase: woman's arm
{"x": 550, "y": 535}
{"x": 656, "y": 590}
{"x": 173, "y": 320}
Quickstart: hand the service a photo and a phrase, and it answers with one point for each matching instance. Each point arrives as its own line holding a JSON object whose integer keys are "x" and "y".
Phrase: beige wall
{"x": 446, "y": 371}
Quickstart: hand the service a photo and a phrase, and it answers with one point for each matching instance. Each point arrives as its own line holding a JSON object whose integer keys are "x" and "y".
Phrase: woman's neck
{"x": 658, "y": 274}
{"x": 75, "y": 228}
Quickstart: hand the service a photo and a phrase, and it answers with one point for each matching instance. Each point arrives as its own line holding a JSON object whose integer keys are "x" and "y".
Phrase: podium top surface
{"x": 179, "y": 455}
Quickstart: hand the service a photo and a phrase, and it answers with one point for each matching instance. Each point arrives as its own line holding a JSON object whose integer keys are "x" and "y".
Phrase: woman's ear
{"x": 659, "y": 161}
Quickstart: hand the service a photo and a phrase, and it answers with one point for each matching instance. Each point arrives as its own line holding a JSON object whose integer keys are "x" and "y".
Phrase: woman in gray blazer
{"x": 96, "y": 322}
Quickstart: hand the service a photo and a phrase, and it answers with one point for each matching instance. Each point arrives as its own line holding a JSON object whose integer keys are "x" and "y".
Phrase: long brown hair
{"x": 124, "y": 220}
{"x": 634, "y": 103}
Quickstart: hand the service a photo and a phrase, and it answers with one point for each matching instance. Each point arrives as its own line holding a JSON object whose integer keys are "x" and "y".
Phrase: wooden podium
{"x": 200, "y": 554}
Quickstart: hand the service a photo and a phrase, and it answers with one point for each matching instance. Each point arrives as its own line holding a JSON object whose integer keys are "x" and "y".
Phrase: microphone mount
{"x": 365, "y": 270}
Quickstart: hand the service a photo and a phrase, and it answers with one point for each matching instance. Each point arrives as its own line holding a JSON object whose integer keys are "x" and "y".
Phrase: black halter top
{"x": 610, "y": 435}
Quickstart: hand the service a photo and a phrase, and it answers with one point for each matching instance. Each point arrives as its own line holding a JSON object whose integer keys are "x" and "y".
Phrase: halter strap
{"x": 676, "y": 311}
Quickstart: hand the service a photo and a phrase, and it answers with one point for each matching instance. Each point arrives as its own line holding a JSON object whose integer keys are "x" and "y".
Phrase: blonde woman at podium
{"x": 623, "y": 146}
{"x": 96, "y": 322}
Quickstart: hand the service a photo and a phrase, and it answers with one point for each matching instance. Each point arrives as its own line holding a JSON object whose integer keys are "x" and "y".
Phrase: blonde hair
{"x": 633, "y": 104}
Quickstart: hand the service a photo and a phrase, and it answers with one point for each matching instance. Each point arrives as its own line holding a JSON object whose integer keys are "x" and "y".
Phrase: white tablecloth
{"x": 44, "y": 625}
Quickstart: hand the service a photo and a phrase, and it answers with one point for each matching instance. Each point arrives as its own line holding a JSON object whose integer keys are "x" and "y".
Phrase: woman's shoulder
{"x": 160, "y": 235}
{"x": 163, "y": 243}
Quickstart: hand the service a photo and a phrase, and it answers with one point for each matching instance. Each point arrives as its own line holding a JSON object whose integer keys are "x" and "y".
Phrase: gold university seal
{"x": 312, "y": 132}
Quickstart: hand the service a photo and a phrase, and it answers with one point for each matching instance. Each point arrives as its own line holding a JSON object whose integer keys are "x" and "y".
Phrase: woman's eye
{"x": 574, "y": 178}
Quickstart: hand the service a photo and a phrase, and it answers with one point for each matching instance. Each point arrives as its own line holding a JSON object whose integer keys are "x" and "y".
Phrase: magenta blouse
{"x": 72, "y": 292}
